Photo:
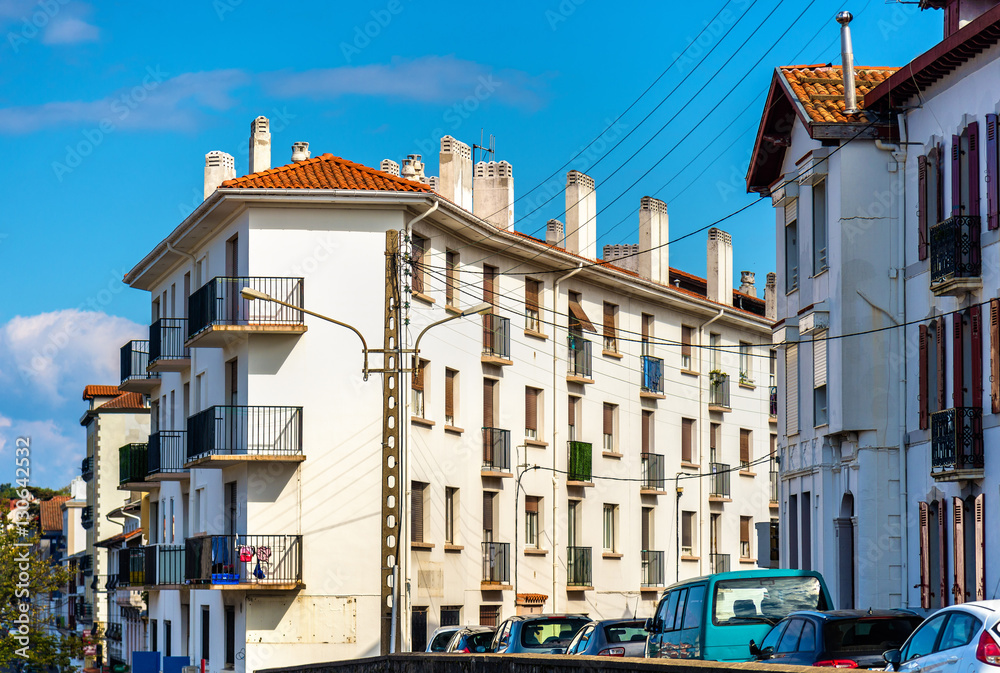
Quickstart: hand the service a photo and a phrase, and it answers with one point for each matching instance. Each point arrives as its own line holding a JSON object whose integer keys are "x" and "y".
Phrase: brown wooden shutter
{"x": 744, "y": 529}
{"x": 531, "y": 295}
{"x": 925, "y": 556}
{"x": 685, "y": 341}
{"x": 958, "y": 545}
{"x": 647, "y": 417}
{"x": 992, "y": 200}
{"x": 417, "y": 381}
{"x": 941, "y": 360}
{"x": 995, "y": 355}
{"x": 980, "y": 523}
{"x": 646, "y": 320}
{"x": 531, "y": 504}
{"x": 609, "y": 419}
{"x": 418, "y": 264}
{"x": 578, "y": 318}
{"x": 942, "y": 554}
{"x": 958, "y": 359}
{"x": 922, "y": 207}
{"x": 956, "y": 175}
{"x": 531, "y": 409}
{"x": 488, "y": 511}
{"x": 609, "y": 320}
{"x": 938, "y": 211}
{"x": 490, "y": 284}
{"x": 488, "y": 402}
{"x": 924, "y": 386}
{"x": 571, "y": 411}
{"x": 417, "y": 511}
{"x": 449, "y": 392}
{"x": 976, "y": 343}
{"x": 686, "y": 427}
{"x": 744, "y": 446}
{"x": 973, "y": 162}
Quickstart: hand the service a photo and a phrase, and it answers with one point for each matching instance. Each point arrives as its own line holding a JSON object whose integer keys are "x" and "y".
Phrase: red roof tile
{"x": 90, "y": 392}
{"x": 51, "y": 513}
{"x": 325, "y": 172}
{"x": 125, "y": 401}
{"x": 820, "y": 90}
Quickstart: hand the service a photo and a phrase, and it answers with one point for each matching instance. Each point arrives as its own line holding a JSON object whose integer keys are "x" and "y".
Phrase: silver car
{"x": 611, "y": 638}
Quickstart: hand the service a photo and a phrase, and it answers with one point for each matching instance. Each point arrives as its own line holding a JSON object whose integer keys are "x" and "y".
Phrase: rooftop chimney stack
{"x": 771, "y": 297}
{"x": 413, "y": 167}
{"x": 389, "y": 166}
{"x": 493, "y": 193}
{"x": 581, "y": 215}
{"x": 847, "y": 54}
{"x": 456, "y": 172}
{"x": 720, "y": 267}
{"x": 554, "y": 233}
{"x": 300, "y": 151}
{"x": 747, "y": 283}
{"x": 260, "y": 144}
{"x": 219, "y": 167}
{"x": 654, "y": 232}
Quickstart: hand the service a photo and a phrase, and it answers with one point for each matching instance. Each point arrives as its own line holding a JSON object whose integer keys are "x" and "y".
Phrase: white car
{"x": 963, "y": 638}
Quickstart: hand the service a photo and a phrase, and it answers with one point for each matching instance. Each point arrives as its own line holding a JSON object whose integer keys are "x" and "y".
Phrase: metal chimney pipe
{"x": 847, "y": 54}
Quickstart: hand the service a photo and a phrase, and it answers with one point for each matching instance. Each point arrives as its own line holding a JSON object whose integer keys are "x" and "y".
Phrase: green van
{"x": 716, "y": 616}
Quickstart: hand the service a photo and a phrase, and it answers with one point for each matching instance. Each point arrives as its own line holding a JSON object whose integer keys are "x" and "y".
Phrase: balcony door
{"x": 571, "y": 523}
{"x": 230, "y": 420}
{"x": 231, "y": 299}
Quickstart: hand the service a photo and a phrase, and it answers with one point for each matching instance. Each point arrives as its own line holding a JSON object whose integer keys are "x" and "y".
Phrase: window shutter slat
{"x": 646, "y": 419}
{"x": 942, "y": 554}
{"x": 609, "y": 416}
{"x": 686, "y": 427}
{"x": 417, "y": 382}
{"x": 958, "y": 545}
{"x": 417, "y": 512}
{"x": 976, "y": 343}
{"x": 488, "y": 511}
{"x": 924, "y": 386}
{"x": 958, "y": 357}
{"x": 995, "y": 355}
{"x": 490, "y": 284}
{"x": 531, "y": 408}
{"x": 449, "y": 392}
{"x": 685, "y": 341}
{"x": 744, "y": 446}
{"x": 992, "y": 195}
{"x": 925, "y": 556}
{"x": 973, "y": 159}
{"x": 531, "y": 295}
{"x": 791, "y": 389}
{"x": 941, "y": 369}
{"x": 819, "y": 360}
{"x": 531, "y": 504}
{"x": 980, "y": 523}
{"x": 609, "y": 320}
{"x": 922, "y": 207}
{"x": 488, "y": 403}
{"x": 956, "y": 175}
{"x": 571, "y": 411}
{"x": 744, "y": 529}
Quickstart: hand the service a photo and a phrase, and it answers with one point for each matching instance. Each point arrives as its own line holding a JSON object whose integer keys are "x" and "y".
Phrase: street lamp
{"x": 482, "y": 308}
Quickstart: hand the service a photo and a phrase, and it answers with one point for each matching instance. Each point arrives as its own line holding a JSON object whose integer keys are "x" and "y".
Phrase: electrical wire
{"x": 681, "y": 476}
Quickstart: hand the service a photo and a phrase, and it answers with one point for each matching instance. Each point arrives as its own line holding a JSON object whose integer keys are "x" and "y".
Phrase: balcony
{"x": 166, "y": 345}
{"x": 653, "y": 473}
{"x": 84, "y": 612}
{"x": 134, "y": 360}
{"x": 87, "y": 468}
{"x": 957, "y": 444}
{"x": 718, "y": 391}
{"x": 579, "y": 568}
{"x": 153, "y": 565}
{"x": 774, "y": 488}
{"x": 496, "y": 452}
{"x": 132, "y": 469}
{"x": 87, "y": 517}
{"x": 652, "y": 569}
{"x": 226, "y": 435}
{"x": 218, "y": 314}
{"x": 166, "y": 456}
{"x": 579, "y": 464}
{"x": 956, "y": 259}
{"x": 272, "y": 562}
{"x": 580, "y": 361}
{"x": 652, "y": 376}
{"x": 132, "y": 565}
{"x": 718, "y": 563}
{"x": 718, "y": 482}
{"x": 772, "y": 408}
{"x": 496, "y": 340}
{"x": 86, "y": 564}
{"x": 496, "y": 565}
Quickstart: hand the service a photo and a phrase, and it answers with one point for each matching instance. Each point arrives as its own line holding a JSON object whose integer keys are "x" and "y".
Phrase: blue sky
{"x": 108, "y": 108}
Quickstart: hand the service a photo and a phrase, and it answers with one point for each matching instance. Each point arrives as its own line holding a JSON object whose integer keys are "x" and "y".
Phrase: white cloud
{"x": 59, "y": 22}
{"x": 70, "y": 30}
{"x": 55, "y": 450}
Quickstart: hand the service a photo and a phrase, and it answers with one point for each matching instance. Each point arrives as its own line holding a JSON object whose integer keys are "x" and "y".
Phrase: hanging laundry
{"x": 246, "y": 553}
{"x": 263, "y": 554}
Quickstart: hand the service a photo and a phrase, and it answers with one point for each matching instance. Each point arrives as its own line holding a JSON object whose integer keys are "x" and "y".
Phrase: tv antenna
{"x": 491, "y": 149}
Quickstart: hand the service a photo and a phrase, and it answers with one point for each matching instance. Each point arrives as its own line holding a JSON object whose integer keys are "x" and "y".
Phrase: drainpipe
{"x": 701, "y": 428}
{"x": 555, "y": 432}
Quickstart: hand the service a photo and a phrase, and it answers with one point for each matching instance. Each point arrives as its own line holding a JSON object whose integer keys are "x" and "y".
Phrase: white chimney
{"x": 456, "y": 172}
{"x": 720, "y": 267}
{"x": 389, "y": 166}
{"x": 554, "y": 233}
{"x": 413, "y": 168}
{"x": 260, "y": 144}
{"x": 747, "y": 283}
{"x": 654, "y": 232}
{"x": 847, "y": 57}
{"x": 300, "y": 151}
{"x": 493, "y": 193}
{"x": 581, "y": 215}
{"x": 219, "y": 167}
{"x": 771, "y": 297}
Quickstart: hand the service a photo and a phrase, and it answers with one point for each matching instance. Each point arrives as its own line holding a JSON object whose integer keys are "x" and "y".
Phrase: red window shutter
{"x": 942, "y": 554}
{"x": 958, "y": 358}
{"x": 995, "y": 355}
{"x": 925, "y": 556}
{"x": 956, "y": 175}
{"x": 992, "y": 217}
{"x": 922, "y": 207}
{"x": 958, "y": 545}
{"x": 976, "y": 343}
{"x": 973, "y": 159}
{"x": 531, "y": 504}
{"x": 609, "y": 320}
{"x": 924, "y": 387}
{"x": 938, "y": 211}
{"x": 531, "y": 408}
{"x": 941, "y": 359}
{"x": 980, "y": 523}
{"x": 686, "y": 341}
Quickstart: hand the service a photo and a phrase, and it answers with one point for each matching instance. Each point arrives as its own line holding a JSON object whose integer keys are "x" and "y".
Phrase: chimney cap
{"x": 300, "y": 151}
{"x": 844, "y": 18}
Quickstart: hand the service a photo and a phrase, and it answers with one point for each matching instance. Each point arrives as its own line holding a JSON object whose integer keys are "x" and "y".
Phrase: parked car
{"x": 611, "y": 638}
{"x": 471, "y": 640}
{"x": 537, "y": 634}
{"x": 714, "y": 617}
{"x": 960, "y": 638}
{"x": 837, "y": 638}
{"x": 439, "y": 639}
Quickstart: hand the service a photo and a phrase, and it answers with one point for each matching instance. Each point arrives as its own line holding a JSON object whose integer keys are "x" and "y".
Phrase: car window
{"x": 679, "y": 612}
{"x": 670, "y": 613}
{"x": 661, "y": 612}
{"x": 885, "y": 633}
{"x": 790, "y": 638}
{"x": 503, "y": 635}
{"x": 695, "y": 608}
{"x": 764, "y": 599}
{"x": 624, "y": 633}
{"x": 923, "y": 639}
{"x": 771, "y": 639}
{"x": 478, "y": 642}
{"x": 580, "y": 641}
{"x": 959, "y": 630}
{"x": 807, "y": 641}
{"x": 440, "y": 642}
{"x": 550, "y": 632}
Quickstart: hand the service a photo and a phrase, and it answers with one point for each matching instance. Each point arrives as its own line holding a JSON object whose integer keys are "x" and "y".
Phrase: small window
{"x": 532, "y": 404}
{"x": 647, "y": 334}
{"x": 489, "y": 615}
{"x": 532, "y": 305}
{"x": 418, "y": 254}
{"x": 819, "y": 406}
{"x": 686, "y": 333}
{"x": 451, "y": 615}
{"x": 790, "y": 638}
{"x": 807, "y": 641}
{"x": 417, "y": 519}
{"x": 746, "y": 525}
{"x": 819, "y": 227}
{"x": 688, "y": 528}
{"x": 923, "y": 639}
{"x": 532, "y": 506}
{"x": 417, "y": 385}
{"x": 450, "y": 514}
{"x": 746, "y": 364}
{"x": 610, "y": 414}
{"x": 610, "y": 528}
{"x": 573, "y": 412}
{"x": 791, "y": 247}
{"x": 610, "y": 327}
{"x": 490, "y": 285}
{"x": 451, "y": 278}
{"x": 646, "y": 437}
{"x": 746, "y": 440}
{"x": 959, "y": 631}
{"x": 450, "y": 397}
{"x": 687, "y": 440}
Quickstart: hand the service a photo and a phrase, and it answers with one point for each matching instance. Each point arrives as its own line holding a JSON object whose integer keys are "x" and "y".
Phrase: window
{"x": 450, "y": 511}
{"x": 647, "y": 528}
{"x": 451, "y": 615}
{"x": 572, "y": 522}
{"x": 745, "y": 443}
{"x": 715, "y": 352}
{"x": 647, "y": 334}
{"x": 610, "y": 528}
{"x": 694, "y": 608}
{"x": 647, "y": 431}
{"x": 489, "y": 615}
{"x": 230, "y": 636}
{"x": 610, "y": 327}
{"x": 819, "y": 406}
{"x": 490, "y": 390}
{"x": 688, "y": 530}
{"x": 772, "y": 367}
{"x": 532, "y": 402}
{"x": 451, "y": 278}
{"x": 746, "y": 363}
{"x": 418, "y": 628}
{"x": 959, "y": 630}
{"x": 930, "y": 196}
{"x": 206, "y": 631}
{"x": 746, "y": 525}
{"x": 417, "y": 383}
{"x": 532, "y": 305}
{"x": 791, "y": 247}
{"x": 792, "y": 389}
{"x": 489, "y": 515}
{"x": 417, "y": 490}
{"x": 154, "y": 645}
{"x": 450, "y": 385}
{"x": 418, "y": 253}
{"x": 610, "y": 411}
{"x": 490, "y": 285}
{"x": 168, "y": 638}
{"x": 714, "y": 442}
{"x": 573, "y": 411}
{"x": 923, "y": 639}
{"x": 819, "y": 227}
{"x": 686, "y": 333}
{"x": 819, "y": 379}
{"x": 532, "y": 505}
{"x": 687, "y": 440}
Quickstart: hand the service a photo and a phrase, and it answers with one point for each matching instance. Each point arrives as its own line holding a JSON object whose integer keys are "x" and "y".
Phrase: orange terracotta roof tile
{"x": 51, "y": 513}
{"x": 125, "y": 401}
{"x": 820, "y": 90}
{"x": 90, "y": 392}
{"x": 325, "y": 172}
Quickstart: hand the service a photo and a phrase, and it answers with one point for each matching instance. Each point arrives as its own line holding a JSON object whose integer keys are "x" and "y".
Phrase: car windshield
{"x": 551, "y": 632}
{"x": 764, "y": 599}
{"x": 868, "y": 633}
{"x": 479, "y": 642}
{"x": 625, "y": 632}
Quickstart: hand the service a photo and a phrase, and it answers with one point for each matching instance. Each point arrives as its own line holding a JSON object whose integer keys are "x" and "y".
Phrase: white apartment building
{"x": 638, "y": 402}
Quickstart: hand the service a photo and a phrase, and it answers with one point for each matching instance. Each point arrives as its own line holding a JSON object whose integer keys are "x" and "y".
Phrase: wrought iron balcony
{"x": 134, "y": 360}
{"x": 167, "y": 352}
{"x": 579, "y": 464}
{"x": 87, "y": 468}
{"x": 132, "y": 461}
{"x": 580, "y": 361}
{"x": 86, "y": 563}
{"x": 167, "y": 455}
{"x": 579, "y": 567}
{"x": 719, "y": 563}
{"x": 957, "y": 444}
{"x": 87, "y": 517}
{"x": 160, "y": 564}
{"x": 718, "y": 391}
{"x": 652, "y": 568}
{"x": 718, "y": 483}
{"x": 496, "y": 450}
{"x": 496, "y": 563}
{"x": 652, "y": 375}
{"x": 496, "y": 339}
{"x": 132, "y": 567}
{"x": 273, "y": 561}
{"x": 772, "y": 409}
{"x": 84, "y": 611}
{"x": 217, "y": 311}
{"x": 227, "y": 434}
{"x": 653, "y": 472}
{"x": 956, "y": 258}
{"x": 774, "y": 486}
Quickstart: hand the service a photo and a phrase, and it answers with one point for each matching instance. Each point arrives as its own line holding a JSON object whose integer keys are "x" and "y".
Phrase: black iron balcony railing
{"x": 132, "y": 562}
{"x": 218, "y": 302}
{"x": 955, "y": 251}
{"x": 84, "y": 611}
{"x": 774, "y": 486}
{"x": 496, "y": 450}
{"x": 580, "y": 357}
{"x": 168, "y": 563}
{"x": 87, "y": 468}
{"x": 652, "y": 374}
{"x": 496, "y": 336}
{"x": 132, "y": 463}
{"x": 580, "y": 457}
{"x": 718, "y": 390}
{"x": 772, "y": 409}
{"x": 579, "y": 571}
{"x": 86, "y": 563}
{"x": 243, "y": 559}
{"x": 113, "y": 632}
{"x": 134, "y": 360}
{"x": 496, "y": 562}
{"x": 957, "y": 440}
{"x": 87, "y": 517}
{"x": 652, "y": 568}
{"x": 653, "y": 472}
{"x": 718, "y": 483}
{"x": 245, "y": 431}
{"x": 167, "y": 452}
{"x": 166, "y": 340}
{"x": 719, "y": 563}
